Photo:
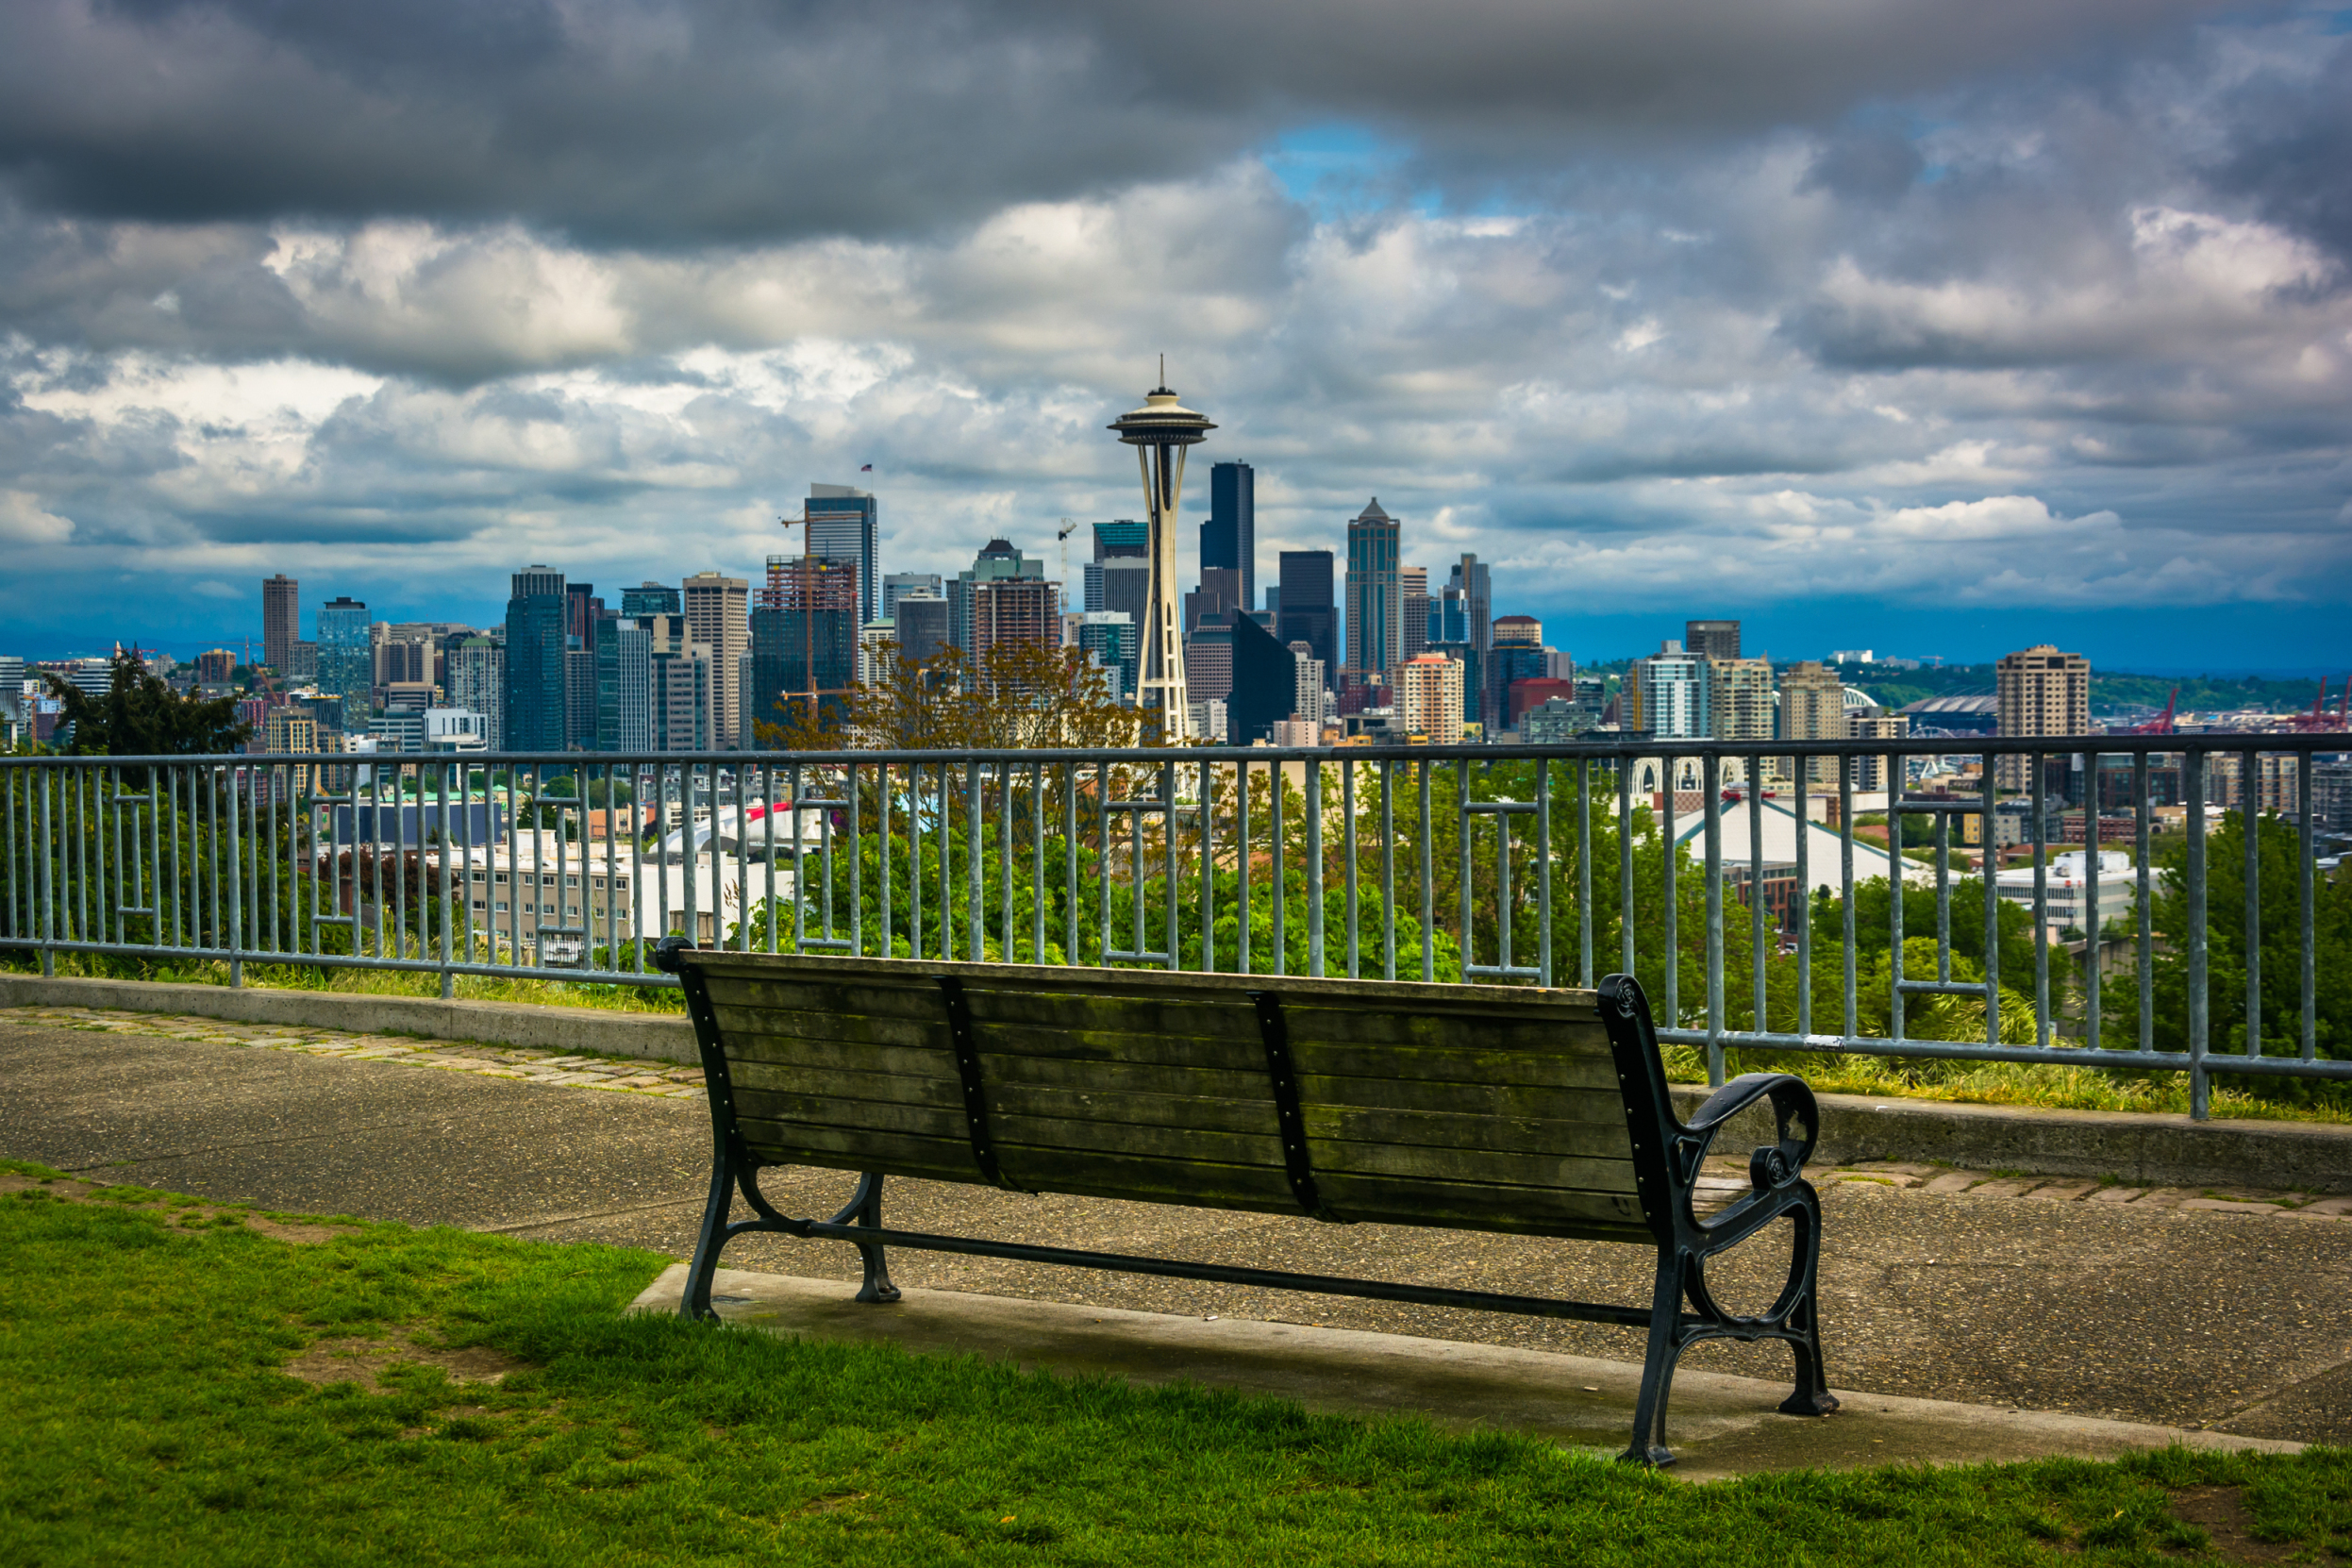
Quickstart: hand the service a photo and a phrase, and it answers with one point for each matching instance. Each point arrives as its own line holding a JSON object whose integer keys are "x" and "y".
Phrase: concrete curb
{"x": 619, "y": 1034}
{"x": 2139, "y": 1148}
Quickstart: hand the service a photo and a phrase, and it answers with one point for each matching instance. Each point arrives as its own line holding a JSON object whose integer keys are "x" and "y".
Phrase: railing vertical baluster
{"x": 856, "y": 797}
{"x": 1388, "y": 868}
{"x": 1895, "y": 884}
{"x": 1845, "y": 877}
{"x": 1428, "y": 881}
{"x": 1673, "y": 988}
{"x": 2092, "y": 850}
{"x": 883, "y": 821}
{"x": 2200, "y": 1083}
{"x": 1944, "y": 897}
{"x": 1003, "y": 853}
{"x": 1711, "y": 779}
{"x": 1277, "y": 789}
{"x": 2041, "y": 900}
{"x": 1756, "y": 887}
{"x": 1347, "y": 853}
{"x": 1805, "y": 889}
{"x": 48, "y": 912}
{"x": 914, "y": 861}
{"x": 1240, "y": 856}
{"x": 1990, "y": 858}
{"x": 1104, "y": 783}
{"x": 2310, "y": 910}
{"x": 1174, "y": 948}
{"x": 448, "y": 980}
{"x": 1070, "y": 864}
{"x": 1544, "y": 871}
{"x": 792, "y": 792}
{"x": 1207, "y": 870}
{"x": 690, "y": 904}
{"x": 2250, "y": 825}
{"x": 213, "y": 857}
{"x": 1624, "y": 864}
{"x": 2144, "y": 912}
{"x": 767, "y": 845}
{"x": 1585, "y": 920}
{"x": 1464, "y": 869}
{"x": 171, "y": 780}
{"x": 975, "y": 873}
{"x": 1037, "y": 863}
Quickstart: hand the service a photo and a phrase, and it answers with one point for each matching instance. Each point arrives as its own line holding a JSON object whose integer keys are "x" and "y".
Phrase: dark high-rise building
{"x": 582, "y": 610}
{"x": 921, "y": 626}
{"x": 997, "y": 561}
{"x": 281, "y": 621}
{"x": 804, "y": 635}
{"x": 652, "y": 598}
{"x": 1218, "y": 596}
{"x": 842, "y": 524}
{"x": 346, "y": 660}
{"x": 1304, "y": 610}
{"x": 1711, "y": 638}
{"x": 1127, "y": 587}
{"x": 624, "y": 685}
{"x": 534, "y": 710}
{"x": 1229, "y": 538}
{"x": 898, "y": 585}
{"x": 1266, "y": 683}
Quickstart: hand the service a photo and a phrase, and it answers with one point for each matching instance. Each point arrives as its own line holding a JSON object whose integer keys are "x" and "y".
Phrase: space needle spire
{"x": 1159, "y": 431}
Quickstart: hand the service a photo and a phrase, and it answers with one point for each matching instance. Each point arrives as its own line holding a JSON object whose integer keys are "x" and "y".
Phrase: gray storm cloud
{"x": 2044, "y": 302}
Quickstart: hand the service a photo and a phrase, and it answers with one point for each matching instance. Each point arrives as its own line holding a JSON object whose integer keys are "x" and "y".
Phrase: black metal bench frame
{"x": 1667, "y": 1158}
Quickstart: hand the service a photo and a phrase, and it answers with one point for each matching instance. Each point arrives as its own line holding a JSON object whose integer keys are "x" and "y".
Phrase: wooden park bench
{"x": 1470, "y": 1108}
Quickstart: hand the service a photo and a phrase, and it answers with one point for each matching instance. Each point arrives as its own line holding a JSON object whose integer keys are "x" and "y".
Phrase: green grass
{"x": 149, "y": 1421}
{"x": 664, "y": 999}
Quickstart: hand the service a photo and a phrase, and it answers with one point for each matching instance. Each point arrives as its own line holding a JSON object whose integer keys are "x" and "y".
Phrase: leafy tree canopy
{"x": 141, "y": 716}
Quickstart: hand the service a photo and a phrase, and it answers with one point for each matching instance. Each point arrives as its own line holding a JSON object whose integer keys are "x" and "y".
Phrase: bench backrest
{"x": 1471, "y": 1106}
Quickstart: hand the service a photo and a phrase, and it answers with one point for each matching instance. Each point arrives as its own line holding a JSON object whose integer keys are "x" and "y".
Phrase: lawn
{"x": 195, "y": 1384}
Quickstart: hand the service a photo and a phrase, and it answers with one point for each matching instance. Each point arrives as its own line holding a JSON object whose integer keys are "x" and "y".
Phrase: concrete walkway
{"x": 2230, "y": 1313}
{"x": 1718, "y": 1425}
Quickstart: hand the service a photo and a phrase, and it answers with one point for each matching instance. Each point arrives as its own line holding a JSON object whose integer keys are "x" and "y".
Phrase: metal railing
{"x": 1489, "y": 865}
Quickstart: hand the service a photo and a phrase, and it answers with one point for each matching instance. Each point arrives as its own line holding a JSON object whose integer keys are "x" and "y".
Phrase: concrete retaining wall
{"x": 619, "y": 1034}
{"x": 2144, "y": 1150}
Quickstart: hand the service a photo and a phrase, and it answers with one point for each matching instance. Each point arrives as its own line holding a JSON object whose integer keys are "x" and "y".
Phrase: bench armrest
{"x": 1773, "y": 1164}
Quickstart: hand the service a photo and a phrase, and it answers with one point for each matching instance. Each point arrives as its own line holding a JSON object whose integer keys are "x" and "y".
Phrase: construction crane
{"x": 2162, "y": 722}
{"x": 2319, "y": 718}
{"x": 1068, "y": 528}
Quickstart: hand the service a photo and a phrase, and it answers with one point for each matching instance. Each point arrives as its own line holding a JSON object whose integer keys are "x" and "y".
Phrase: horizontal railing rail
{"x": 1733, "y": 877}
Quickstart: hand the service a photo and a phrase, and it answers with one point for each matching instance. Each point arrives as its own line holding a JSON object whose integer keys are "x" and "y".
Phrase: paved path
{"x": 2225, "y": 1310}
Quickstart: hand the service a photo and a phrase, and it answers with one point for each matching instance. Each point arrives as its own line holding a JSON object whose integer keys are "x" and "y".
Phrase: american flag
{"x": 868, "y": 469}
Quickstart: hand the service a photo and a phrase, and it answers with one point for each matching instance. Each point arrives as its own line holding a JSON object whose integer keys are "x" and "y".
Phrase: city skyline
{"x": 2036, "y": 324}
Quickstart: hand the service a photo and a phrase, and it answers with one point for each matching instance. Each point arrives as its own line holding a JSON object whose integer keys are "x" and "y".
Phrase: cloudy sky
{"x": 1894, "y": 322}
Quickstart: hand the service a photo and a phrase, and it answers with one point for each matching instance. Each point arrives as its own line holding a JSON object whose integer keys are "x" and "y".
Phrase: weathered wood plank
{"x": 1522, "y": 1069}
{"x": 1193, "y": 1183}
{"x": 1442, "y": 1130}
{"x": 799, "y": 1144}
{"x": 1075, "y": 1103}
{"x": 1140, "y": 1139}
{"x": 1123, "y": 1078}
{"x": 1535, "y": 1210}
{"x": 910, "y": 999}
{"x": 1414, "y": 995}
{"x": 1243, "y": 1053}
{"x": 890, "y": 1088}
{"x": 1468, "y": 1099}
{"x": 1216, "y": 1016}
{"x": 835, "y": 1113}
{"x": 812, "y": 1024}
{"x": 825, "y": 1054}
{"x": 1455, "y": 1029}
{"x": 1475, "y": 1166}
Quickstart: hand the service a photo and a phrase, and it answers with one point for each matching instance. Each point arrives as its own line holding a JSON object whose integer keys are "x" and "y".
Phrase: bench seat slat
{"x": 783, "y": 1142}
{"x": 1591, "y": 1173}
{"x": 1596, "y": 1137}
{"x": 930, "y": 1121}
{"x": 915, "y": 997}
{"x": 1520, "y": 1211}
{"x": 1502, "y": 1028}
{"x": 742, "y": 1020}
{"x": 1090, "y": 1104}
{"x": 1454, "y": 1097}
{"x": 1194, "y": 1182}
{"x": 830, "y": 1056}
{"x": 1521, "y": 1069}
{"x": 1236, "y": 1048}
{"x": 831, "y": 1082}
{"x": 1143, "y": 1140}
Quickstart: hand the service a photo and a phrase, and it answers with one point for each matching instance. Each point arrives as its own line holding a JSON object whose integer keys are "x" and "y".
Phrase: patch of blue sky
{"x": 1341, "y": 168}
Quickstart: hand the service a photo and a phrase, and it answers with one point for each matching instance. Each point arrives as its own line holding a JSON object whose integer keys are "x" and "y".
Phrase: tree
{"x": 1021, "y": 696}
{"x": 140, "y": 717}
{"x": 2280, "y": 850}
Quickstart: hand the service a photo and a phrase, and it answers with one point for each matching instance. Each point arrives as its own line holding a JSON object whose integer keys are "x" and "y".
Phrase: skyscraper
{"x": 1376, "y": 607}
{"x": 581, "y": 611}
{"x": 899, "y": 584}
{"x": 2039, "y": 692}
{"x": 1739, "y": 707}
{"x": 347, "y": 660}
{"x": 1713, "y": 638}
{"x": 281, "y": 621}
{"x": 624, "y": 685}
{"x": 536, "y": 718}
{"x": 804, "y": 637}
{"x": 1429, "y": 698}
{"x": 996, "y": 560}
{"x": 1229, "y": 538}
{"x": 1011, "y": 610}
{"x": 1473, "y": 581}
{"x": 478, "y": 681}
{"x": 1266, "y": 683}
{"x": 652, "y": 598}
{"x": 1305, "y": 612}
{"x": 718, "y": 616}
{"x": 1669, "y": 694}
{"x": 1161, "y": 432}
{"x": 921, "y": 627}
{"x": 842, "y": 524}
{"x": 1109, "y": 636}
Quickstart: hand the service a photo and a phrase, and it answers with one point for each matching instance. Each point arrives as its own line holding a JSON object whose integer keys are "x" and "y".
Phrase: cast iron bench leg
{"x": 865, "y": 1208}
{"x": 1657, "y": 1367}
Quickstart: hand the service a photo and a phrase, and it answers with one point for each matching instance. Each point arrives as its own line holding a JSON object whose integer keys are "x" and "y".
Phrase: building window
{"x": 546, "y": 909}
{"x": 500, "y": 905}
{"x": 499, "y": 878}
{"x": 571, "y": 881}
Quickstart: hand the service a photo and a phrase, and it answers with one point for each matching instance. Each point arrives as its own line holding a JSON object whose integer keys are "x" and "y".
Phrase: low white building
{"x": 2068, "y": 880}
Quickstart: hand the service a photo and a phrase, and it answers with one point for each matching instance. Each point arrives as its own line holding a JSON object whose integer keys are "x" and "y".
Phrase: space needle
{"x": 1159, "y": 431}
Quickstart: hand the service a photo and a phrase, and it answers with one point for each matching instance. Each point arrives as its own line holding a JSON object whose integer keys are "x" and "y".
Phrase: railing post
{"x": 237, "y": 879}
{"x": 1711, "y": 778}
{"x": 2200, "y": 1083}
